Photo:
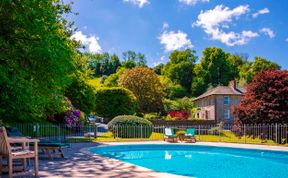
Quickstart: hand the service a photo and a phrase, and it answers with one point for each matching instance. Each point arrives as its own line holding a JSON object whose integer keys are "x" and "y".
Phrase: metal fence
{"x": 252, "y": 134}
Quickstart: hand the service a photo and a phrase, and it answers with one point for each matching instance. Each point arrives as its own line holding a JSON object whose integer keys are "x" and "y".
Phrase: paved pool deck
{"x": 80, "y": 164}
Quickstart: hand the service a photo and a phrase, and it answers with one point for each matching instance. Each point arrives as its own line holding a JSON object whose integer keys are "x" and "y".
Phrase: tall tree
{"x": 237, "y": 61}
{"x": 157, "y": 69}
{"x": 248, "y": 71}
{"x": 132, "y": 59}
{"x": 36, "y": 57}
{"x": 103, "y": 64}
{"x": 266, "y": 99}
{"x": 146, "y": 86}
{"x": 213, "y": 69}
{"x": 180, "y": 67}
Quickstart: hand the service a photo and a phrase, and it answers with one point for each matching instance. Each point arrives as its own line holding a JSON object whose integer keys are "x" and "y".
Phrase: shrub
{"x": 172, "y": 90}
{"x": 111, "y": 102}
{"x": 152, "y": 116}
{"x": 169, "y": 118}
{"x": 145, "y": 85}
{"x": 178, "y": 105}
{"x": 126, "y": 126}
{"x": 72, "y": 118}
{"x": 112, "y": 80}
{"x": 177, "y": 91}
{"x": 81, "y": 95}
{"x": 179, "y": 115}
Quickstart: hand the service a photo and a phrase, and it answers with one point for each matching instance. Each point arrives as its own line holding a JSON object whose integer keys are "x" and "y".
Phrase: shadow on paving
{"x": 78, "y": 164}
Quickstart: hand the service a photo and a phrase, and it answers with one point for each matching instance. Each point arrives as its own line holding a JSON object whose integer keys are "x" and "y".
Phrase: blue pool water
{"x": 201, "y": 161}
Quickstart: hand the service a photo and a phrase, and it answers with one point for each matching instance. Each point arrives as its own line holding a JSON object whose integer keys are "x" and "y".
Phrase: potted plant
{"x": 180, "y": 134}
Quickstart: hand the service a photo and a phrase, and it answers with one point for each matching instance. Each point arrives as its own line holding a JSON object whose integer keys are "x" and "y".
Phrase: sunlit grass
{"x": 108, "y": 137}
{"x": 95, "y": 82}
{"x": 226, "y": 137}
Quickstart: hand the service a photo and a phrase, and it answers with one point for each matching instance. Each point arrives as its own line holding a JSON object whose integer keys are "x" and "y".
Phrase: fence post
{"x": 95, "y": 130}
{"x": 244, "y": 133}
{"x": 276, "y": 134}
{"x": 199, "y": 131}
{"x": 141, "y": 131}
{"x": 219, "y": 134}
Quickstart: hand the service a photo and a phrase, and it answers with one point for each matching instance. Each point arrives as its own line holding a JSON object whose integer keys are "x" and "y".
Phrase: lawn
{"x": 95, "y": 82}
{"x": 226, "y": 136}
{"x": 108, "y": 137}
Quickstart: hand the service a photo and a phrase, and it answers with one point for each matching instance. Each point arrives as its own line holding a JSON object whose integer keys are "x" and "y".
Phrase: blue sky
{"x": 156, "y": 27}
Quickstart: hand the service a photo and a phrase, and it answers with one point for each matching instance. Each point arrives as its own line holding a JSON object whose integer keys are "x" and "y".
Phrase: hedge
{"x": 130, "y": 127}
{"x": 111, "y": 102}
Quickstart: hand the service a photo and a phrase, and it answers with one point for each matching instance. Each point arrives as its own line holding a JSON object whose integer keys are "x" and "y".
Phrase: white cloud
{"x": 165, "y": 25}
{"x": 268, "y": 32}
{"x": 214, "y": 20}
{"x": 163, "y": 57}
{"x": 192, "y": 2}
{"x": 174, "y": 40}
{"x": 139, "y": 3}
{"x": 154, "y": 64}
{"x": 91, "y": 42}
{"x": 262, "y": 11}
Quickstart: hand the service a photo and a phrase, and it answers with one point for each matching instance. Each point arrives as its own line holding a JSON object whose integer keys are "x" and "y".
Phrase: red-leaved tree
{"x": 266, "y": 99}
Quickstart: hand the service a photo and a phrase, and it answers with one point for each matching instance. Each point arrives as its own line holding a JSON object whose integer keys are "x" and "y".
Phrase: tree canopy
{"x": 266, "y": 99}
{"x": 36, "y": 57}
{"x": 180, "y": 68}
{"x": 145, "y": 85}
{"x": 213, "y": 69}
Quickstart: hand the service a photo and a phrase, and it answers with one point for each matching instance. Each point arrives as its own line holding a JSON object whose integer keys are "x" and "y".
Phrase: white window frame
{"x": 226, "y": 114}
{"x": 227, "y": 99}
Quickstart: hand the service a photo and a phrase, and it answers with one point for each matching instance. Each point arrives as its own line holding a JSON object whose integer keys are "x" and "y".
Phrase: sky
{"x": 157, "y": 27}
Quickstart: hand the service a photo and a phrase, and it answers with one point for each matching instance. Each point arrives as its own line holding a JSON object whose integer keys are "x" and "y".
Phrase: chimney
{"x": 232, "y": 84}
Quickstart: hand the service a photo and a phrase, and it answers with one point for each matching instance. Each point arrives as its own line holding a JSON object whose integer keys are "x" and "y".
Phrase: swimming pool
{"x": 201, "y": 161}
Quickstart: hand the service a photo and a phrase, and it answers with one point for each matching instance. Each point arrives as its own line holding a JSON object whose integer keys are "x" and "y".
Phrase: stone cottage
{"x": 216, "y": 103}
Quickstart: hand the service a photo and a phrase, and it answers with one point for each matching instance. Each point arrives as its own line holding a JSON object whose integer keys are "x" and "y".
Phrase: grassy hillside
{"x": 95, "y": 82}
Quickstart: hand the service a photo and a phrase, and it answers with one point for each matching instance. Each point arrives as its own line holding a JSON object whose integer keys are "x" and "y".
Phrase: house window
{"x": 209, "y": 102}
{"x": 226, "y": 100}
{"x": 226, "y": 114}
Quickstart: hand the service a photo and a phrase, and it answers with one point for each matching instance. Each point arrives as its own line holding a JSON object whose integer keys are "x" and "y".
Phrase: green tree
{"x": 247, "y": 72}
{"x": 180, "y": 68}
{"x": 157, "y": 69}
{"x": 103, "y": 64}
{"x": 145, "y": 85}
{"x": 81, "y": 95}
{"x": 111, "y": 102}
{"x": 213, "y": 69}
{"x": 36, "y": 58}
{"x": 112, "y": 80}
{"x": 132, "y": 59}
{"x": 237, "y": 61}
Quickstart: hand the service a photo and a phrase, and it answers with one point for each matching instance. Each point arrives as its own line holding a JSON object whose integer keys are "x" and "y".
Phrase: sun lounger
{"x": 169, "y": 135}
{"x": 190, "y": 135}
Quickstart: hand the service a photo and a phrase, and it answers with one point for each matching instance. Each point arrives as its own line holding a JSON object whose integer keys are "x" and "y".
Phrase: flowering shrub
{"x": 179, "y": 115}
{"x": 72, "y": 118}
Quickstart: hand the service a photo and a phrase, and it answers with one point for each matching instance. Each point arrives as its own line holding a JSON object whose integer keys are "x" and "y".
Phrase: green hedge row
{"x": 130, "y": 127}
{"x": 111, "y": 102}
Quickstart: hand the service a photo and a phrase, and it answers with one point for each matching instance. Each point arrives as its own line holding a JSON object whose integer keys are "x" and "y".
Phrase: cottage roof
{"x": 221, "y": 90}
